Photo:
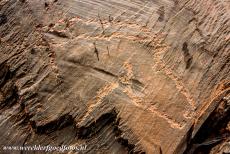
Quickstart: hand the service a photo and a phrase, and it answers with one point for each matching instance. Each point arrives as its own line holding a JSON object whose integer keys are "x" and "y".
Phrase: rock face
{"x": 121, "y": 76}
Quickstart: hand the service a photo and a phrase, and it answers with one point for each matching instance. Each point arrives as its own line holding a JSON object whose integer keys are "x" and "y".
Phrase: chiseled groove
{"x": 172, "y": 122}
{"x": 104, "y": 72}
{"x": 179, "y": 85}
{"x": 137, "y": 101}
{"x": 97, "y": 100}
{"x": 182, "y": 89}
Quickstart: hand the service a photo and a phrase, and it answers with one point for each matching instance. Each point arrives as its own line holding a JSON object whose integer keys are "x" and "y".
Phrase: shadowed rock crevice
{"x": 95, "y": 127}
{"x": 124, "y": 142}
{"x": 109, "y": 119}
{"x": 161, "y": 12}
{"x": 3, "y": 19}
{"x": 58, "y": 124}
{"x": 187, "y": 56}
{"x": 213, "y": 131}
{"x": 8, "y": 90}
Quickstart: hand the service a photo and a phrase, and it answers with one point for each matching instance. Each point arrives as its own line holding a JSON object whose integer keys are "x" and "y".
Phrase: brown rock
{"x": 119, "y": 76}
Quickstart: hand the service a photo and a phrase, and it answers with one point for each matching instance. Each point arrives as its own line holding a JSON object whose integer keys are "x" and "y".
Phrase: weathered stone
{"x": 119, "y": 76}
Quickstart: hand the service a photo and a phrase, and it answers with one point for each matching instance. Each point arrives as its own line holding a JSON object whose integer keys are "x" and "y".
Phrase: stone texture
{"x": 120, "y": 76}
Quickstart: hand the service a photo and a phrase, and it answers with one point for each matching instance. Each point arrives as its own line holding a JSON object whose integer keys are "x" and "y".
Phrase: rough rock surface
{"x": 121, "y": 76}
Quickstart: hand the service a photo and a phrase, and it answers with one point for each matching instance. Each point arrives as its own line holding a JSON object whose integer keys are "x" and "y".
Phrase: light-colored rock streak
{"x": 179, "y": 85}
{"x": 139, "y": 102}
{"x": 101, "y": 94}
{"x": 158, "y": 54}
